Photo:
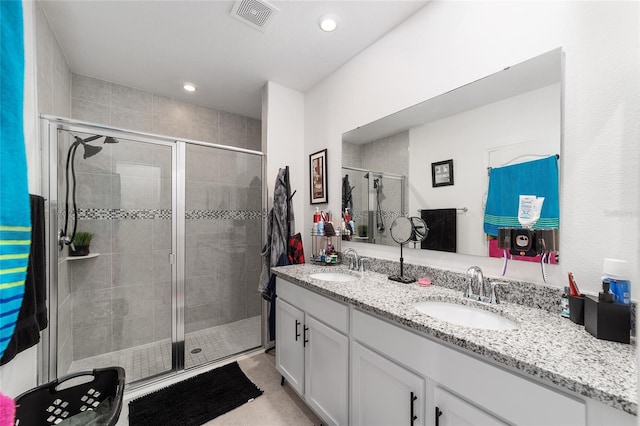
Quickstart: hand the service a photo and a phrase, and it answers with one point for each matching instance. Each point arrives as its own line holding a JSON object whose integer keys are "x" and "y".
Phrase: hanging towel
{"x": 271, "y": 293}
{"x": 506, "y": 184}
{"x": 33, "y": 313}
{"x": 15, "y": 219}
{"x": 442, "y": 224}
{"x": 347, "y": 198}
{"x": 277, "y": 231}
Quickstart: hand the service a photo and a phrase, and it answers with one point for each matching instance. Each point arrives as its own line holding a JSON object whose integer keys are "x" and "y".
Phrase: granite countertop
{"x": 546, "y": 347}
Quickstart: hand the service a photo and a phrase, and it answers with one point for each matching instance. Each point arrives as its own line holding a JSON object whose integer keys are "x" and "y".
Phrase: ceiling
{"x": 158, "y": 45}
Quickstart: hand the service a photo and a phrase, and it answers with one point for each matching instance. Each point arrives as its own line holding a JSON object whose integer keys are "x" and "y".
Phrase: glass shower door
{"x": 223, "y": 215}
{"x": 115, "y": 305}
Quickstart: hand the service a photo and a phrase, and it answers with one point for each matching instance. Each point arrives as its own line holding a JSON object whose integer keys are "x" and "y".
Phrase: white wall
{"x": 19, "y": 374}
{"x": 530, "y": 121}
{"x": 448, "y": 44}
{"x": 284, "y": 125}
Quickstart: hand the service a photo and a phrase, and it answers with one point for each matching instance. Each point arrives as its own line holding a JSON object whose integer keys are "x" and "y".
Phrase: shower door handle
{"x": 297, "y": 330}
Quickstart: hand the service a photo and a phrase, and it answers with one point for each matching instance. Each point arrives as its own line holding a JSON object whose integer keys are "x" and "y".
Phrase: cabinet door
{"x": 454, "y": 411}
{"x": 384, "y": 393}
{"x": 326, "y": 371}
{"x": 289, "y": 348}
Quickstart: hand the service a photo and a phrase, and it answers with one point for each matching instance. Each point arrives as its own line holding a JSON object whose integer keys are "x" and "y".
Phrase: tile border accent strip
{"x": 136, "y": 214}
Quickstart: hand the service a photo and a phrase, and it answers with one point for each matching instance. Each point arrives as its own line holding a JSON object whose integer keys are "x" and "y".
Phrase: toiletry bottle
{"x": 316, "y": 216}
{"x": 564, "y": 303}
{"x": 616, "y": 273}
{"x": 320, "y": 227}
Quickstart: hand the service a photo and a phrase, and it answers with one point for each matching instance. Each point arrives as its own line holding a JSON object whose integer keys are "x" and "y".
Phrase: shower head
{"x": 90, "y": 150}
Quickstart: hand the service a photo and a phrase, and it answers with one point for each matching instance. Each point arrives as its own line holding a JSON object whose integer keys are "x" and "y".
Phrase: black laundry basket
{"x": 49, "y": 405}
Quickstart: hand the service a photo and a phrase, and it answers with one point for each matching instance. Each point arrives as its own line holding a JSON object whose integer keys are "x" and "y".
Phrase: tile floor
{"x": 278, "y": 405}
{"x": 152, "y": 359}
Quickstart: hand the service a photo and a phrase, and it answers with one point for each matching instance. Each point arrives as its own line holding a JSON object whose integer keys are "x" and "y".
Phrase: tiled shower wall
{"x": 224, "y": 237}
{"x": 391, "y": 155}
{"x": 103, "y": 102}
{"x": 123, "y": 296}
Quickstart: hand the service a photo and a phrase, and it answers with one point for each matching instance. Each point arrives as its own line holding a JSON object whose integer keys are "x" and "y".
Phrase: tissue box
{"x": 607, "y": 321}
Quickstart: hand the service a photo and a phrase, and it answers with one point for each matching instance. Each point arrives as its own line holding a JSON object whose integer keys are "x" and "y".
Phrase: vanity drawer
{"x": 332, "y": 313}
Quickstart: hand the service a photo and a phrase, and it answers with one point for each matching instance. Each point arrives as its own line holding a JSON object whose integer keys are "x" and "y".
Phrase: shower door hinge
{"x": 172, "y": 259}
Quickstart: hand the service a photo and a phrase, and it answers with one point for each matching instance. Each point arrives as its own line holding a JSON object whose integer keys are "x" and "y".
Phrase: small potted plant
{"x": 81, "y": 243}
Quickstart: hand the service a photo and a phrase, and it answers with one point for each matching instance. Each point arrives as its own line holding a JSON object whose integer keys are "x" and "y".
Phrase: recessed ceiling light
{"x": 328, "y": 23}
{"x": 189, "y": 87}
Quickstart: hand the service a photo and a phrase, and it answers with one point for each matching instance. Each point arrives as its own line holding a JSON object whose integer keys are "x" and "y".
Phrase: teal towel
{"x": 506, "y": 184}
{"x": 15, "y": 217}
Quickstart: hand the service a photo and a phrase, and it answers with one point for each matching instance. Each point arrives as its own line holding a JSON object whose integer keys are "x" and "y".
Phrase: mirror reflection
{"x": 404, "y": 164}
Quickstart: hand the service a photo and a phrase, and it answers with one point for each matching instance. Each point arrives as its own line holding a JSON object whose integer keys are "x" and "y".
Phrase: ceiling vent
{"x": 257, "y": 14}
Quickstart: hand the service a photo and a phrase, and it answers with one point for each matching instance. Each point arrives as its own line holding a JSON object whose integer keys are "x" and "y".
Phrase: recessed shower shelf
{"x": 89, "y": 256}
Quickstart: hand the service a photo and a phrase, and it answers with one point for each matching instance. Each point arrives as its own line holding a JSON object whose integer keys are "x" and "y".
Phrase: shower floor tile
{"x": 201, "y": 346}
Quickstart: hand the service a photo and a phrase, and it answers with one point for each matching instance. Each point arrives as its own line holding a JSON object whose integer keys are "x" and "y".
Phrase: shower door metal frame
{"x": 371, "y": 204}
{"x": 48, "y": 359}
{"x": 50, "y": 125}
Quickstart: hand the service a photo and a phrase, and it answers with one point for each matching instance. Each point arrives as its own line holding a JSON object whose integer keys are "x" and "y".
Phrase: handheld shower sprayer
{"x": 89, "y": 151}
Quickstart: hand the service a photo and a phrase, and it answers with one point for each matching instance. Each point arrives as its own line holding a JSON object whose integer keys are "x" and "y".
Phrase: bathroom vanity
{"x": 359, "y": 352}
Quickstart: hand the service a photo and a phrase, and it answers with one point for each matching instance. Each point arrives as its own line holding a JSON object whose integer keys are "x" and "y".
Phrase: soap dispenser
{"x": 607, "y": 320}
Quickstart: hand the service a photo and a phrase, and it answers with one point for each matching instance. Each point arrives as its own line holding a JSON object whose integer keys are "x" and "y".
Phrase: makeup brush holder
{"x": 607, "y": 321}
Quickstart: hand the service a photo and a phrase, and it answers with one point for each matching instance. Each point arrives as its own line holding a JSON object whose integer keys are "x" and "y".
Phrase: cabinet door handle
{"x": 411, "y": 402}
{"x": 305, "y": 340}
{"x": 438, "y": 414}
{"x": 297, "y": 330}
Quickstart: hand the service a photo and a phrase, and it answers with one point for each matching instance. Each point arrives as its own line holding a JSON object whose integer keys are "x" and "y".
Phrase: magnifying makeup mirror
{"x": 403, "y": 230}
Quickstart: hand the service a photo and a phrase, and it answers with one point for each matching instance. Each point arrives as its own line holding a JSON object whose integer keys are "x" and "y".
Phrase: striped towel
{"x": 506, "y": 184}
{"x": 15, "y": 217}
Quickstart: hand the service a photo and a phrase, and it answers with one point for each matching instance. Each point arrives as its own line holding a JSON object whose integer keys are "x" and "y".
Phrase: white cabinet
{"x": 382, "y": 392}
{"x": 312, "y": 349}
{"x": 290, "y": 350}
{"x": 451, "y": 410}
{"x": 471, "y": 383}
{"x": 326, "y": 371}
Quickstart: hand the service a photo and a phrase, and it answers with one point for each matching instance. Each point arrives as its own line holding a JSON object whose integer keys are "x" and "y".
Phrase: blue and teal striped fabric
{"x": 506, "y": 184}
{"x": 15, "y": 216}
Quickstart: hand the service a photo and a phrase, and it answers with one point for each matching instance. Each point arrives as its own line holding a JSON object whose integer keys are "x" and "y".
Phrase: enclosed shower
{"x": 171, "y": 279}
{"x": 376, "y": 198}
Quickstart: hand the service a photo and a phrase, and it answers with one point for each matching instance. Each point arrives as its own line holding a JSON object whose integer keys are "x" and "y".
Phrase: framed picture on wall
{"x": 318, "y": 177}
{"x": 442, "y": 173}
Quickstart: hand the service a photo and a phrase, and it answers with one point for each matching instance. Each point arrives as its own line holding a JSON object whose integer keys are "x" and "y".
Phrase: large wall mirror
{"x": 432, "y": 159}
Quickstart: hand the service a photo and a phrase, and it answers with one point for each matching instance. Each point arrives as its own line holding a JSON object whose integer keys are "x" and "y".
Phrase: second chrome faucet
{"x": 474, "y": 274}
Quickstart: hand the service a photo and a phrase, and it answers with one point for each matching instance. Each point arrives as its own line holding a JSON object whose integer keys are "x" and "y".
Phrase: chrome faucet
{"x": 352, "y": 265}
{"x": 493, "y": 298}
{"x": 474, "y": 273}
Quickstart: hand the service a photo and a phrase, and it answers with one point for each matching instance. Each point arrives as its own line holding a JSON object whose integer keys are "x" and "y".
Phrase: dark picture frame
{"x": 442, "y": 173}
{"x": 318, "y": 177}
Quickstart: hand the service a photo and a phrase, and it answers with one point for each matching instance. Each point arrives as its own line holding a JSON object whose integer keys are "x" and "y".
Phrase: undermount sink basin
{"x": 464, "y": 315}
{"x": 333, "y": 276}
